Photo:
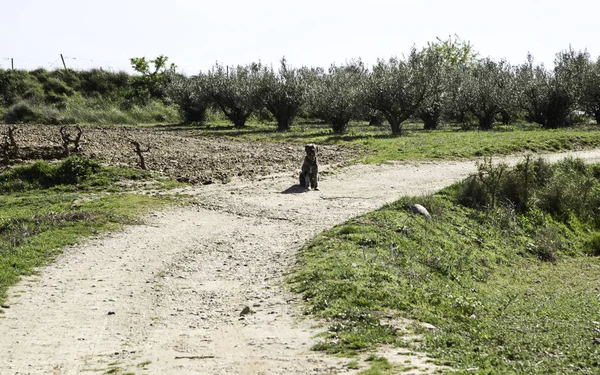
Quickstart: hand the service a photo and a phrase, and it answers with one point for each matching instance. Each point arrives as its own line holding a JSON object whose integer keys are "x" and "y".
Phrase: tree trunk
{"x": 284, "y": 121}
{"x": 430, "y": 121}
{"x": 505, "y": 117}
{"x": 339, "y": 126}
{"x": 238, "y": 118}
{"x": 486, "y": 122}
{"x": 395, "y": 123}
{"x": 375, "y": 121}
{"x": 597, "y": 116}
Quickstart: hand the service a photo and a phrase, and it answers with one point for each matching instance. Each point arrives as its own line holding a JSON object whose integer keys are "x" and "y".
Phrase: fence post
{"x": 63, "y": 60}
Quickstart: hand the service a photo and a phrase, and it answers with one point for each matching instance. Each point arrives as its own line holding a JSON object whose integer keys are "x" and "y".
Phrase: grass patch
{"x": 378, "y": 366}
{"x": 45, "y": 214}
{"x": 479, "y": 275}
{"x": 447, "y": 142}
{"x": 81, "y": 110}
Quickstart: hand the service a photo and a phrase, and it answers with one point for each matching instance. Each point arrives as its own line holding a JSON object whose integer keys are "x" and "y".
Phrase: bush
{"x": 30, "y": 113}
{"x": 18, "y": 85}
{"x": 98, "y": 83}
{"x": 593, "y": 244}
{"x": 22, "y": 112}
{"x": 43, "y": 175}
{"x": 572, "y": 189}
{"x": 569, "y": 187}
{"x": 75, "y": 169}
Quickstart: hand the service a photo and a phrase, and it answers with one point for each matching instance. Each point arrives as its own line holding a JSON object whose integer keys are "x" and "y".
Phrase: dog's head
{"x": 311, "y": 151}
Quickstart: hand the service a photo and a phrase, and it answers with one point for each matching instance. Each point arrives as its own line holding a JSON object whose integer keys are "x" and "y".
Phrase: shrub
{"x": 18, "y": 85}
{"x": 593, "y": 244}
{"x": 98, "y": 83}
{"x": 69, "y": 76}
{"x": 43, "y": 175}
{"x": 22, "y": 112}
{"x": 75, "y": 169}
{"x": 567, "y": 188}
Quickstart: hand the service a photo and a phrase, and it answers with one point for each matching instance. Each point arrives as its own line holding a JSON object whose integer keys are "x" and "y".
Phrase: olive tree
{"x": 283, "y": 93}
{"x": 398, "y": 87}
{"x": 446, "y": 56}
{"x": 189, "y": 94}
{"x": 590, "y": 96}
{"x": 534, "y": 84}
{"x": 235, "y": 91}
{"x": 336, "y": 96}
{"x": 550, "y": 97}
{"x": 486, "y": 89}
{"x": 435, "y": 101}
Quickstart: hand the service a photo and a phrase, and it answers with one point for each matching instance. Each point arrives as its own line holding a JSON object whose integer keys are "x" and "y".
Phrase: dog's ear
{"x": 316, "y": 148}
{"x": 306, "y": 148}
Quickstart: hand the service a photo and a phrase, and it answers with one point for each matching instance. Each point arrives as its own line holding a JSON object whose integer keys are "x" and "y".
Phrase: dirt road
{"x": 167, "y": 297}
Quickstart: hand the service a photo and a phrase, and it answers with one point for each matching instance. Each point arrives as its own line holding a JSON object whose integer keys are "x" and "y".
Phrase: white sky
{"x": 196, "y": 34}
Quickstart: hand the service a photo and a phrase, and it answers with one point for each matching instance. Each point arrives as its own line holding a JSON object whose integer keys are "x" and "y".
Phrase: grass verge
{"x": 45, "y": 207}
{"x": 507, "y": 292}
{"x": 447, "y": 142}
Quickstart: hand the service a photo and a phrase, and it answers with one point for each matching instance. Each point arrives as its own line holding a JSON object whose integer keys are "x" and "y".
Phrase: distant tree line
{"x": 443, "y": 82}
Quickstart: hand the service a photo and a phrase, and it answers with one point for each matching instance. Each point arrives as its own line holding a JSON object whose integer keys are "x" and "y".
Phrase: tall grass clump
{"x": 567, "y": 190}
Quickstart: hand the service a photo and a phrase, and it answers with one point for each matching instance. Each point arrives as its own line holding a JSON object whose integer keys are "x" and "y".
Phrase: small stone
{"x": 418, "y": 209}
{"x": 111, "y": 313}
{"x": 245, "y": 311}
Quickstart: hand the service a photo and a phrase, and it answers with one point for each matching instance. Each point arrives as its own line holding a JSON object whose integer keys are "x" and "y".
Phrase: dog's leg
{"x": 314, "y": 178}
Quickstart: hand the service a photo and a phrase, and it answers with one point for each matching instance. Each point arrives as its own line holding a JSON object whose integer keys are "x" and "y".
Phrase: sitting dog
{"x": 310, "y": 170}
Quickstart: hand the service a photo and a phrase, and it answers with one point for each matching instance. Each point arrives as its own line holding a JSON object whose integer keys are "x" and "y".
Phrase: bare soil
{"x": 176, "y": 152}
{"x": 199, "y": 289}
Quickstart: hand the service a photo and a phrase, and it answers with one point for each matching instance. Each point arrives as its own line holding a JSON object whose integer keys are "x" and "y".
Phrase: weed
{"x": 378, "y": 366}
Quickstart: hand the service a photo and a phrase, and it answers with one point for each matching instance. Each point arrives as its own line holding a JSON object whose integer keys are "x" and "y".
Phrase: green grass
{"x": 447, "y": 142}
{"x": 81, "y": 110}
{"x": 378, "y": 366}
{"x": 39, "y": 216}
{"x": 475, "y": 275}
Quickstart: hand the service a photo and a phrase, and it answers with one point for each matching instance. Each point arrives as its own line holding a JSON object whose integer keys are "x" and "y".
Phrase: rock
{"x": 111, "y": 313}
{"x": 245, "y": 311}
{"x": 418, "y": 209}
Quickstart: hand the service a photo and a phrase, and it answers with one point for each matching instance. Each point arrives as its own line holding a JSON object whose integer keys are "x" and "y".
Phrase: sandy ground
{"x": 166, "y": 297}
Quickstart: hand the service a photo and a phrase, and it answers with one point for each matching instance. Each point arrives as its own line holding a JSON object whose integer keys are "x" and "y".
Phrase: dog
{"x": 310, "y": 171}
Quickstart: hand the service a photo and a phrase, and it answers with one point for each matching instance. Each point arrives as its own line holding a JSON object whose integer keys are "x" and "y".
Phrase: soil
{"x": 175, "y": 151}
{"x": 199, "y": 289}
